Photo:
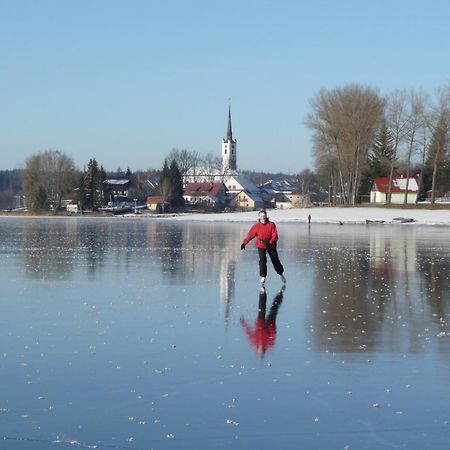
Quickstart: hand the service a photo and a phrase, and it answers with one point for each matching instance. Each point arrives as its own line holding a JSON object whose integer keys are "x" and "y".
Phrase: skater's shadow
{"x": 262, "y": 335}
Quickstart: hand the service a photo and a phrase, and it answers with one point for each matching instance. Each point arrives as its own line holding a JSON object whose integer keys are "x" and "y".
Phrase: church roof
{"x": 229, "y": 131}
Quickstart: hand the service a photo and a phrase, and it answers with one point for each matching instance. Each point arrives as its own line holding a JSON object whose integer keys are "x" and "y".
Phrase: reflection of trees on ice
{"x": 381, "y": 291}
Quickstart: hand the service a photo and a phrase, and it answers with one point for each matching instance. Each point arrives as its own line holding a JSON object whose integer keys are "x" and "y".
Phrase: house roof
{"x": 203, "y": 189}
{"x": 154, "y": 200}
{"x": 242, "y": 182}
{"x": 252, "y": 195}
{"x": 116, "y": 182}
{"x": 381, "y": 184}
{"x": 272, "y": 187}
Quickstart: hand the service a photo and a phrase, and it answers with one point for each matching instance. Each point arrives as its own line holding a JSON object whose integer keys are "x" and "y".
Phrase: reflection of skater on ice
{"x": 266, "y": 235}
{"x": 262, "y": 335}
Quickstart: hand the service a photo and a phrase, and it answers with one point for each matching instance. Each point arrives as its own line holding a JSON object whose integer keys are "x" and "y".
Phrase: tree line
{"x": 51, "y": 175}
{"x": 359, "y": 135}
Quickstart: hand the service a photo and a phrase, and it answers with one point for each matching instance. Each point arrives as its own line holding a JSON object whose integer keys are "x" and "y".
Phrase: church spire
{"x": 229, "y": 132}
{"x": 229, "y": 148}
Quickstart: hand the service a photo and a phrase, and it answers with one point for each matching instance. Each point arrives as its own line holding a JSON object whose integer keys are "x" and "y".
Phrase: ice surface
{"x": 125, "y": 333}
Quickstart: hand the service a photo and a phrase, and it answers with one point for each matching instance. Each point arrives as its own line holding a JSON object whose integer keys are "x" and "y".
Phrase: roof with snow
{"x": 242, "y": 183}
{"x": 381, "y": 184}
{"x": 273, "y": 187}
{"x": 116, "y": 182}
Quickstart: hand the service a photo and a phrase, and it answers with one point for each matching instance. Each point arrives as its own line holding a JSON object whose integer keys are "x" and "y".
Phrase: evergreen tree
{"x": 379, "y": 158}
{"x": 165, "y": 185}
{"x": 176, "y": 181}
{"x": 92, "y": 186}
{"x": 97, "y": 181}
{"x": 120, "y": 173}
{"x": 381, "y": 153}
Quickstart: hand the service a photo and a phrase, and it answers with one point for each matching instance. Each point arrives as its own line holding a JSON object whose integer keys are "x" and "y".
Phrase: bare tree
{"x": 397, "y": 121}
{"x": 211, "y": 164}
{"x": 416, "y": 119}
{"x": 188, "y": 161}
{"x": 304, "y": 180}
{"x": 440, "y": 138}
{"x": 48, "y": 176}
{"x": 344, "y": 122}
{"x": 423, "y": 148}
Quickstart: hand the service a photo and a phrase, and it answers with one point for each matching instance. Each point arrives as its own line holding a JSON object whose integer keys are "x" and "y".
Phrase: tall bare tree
{"x": 397, "y": 121}
{"x": 423, "y": 138}
{"x": 47, "y": 177}
{"x": 211, "y": 164}
{"x": 188, "y": 161}
{"x": 344, "y": 122}
{"x": 417, "y": 101}
{"x": 440, "y": 138}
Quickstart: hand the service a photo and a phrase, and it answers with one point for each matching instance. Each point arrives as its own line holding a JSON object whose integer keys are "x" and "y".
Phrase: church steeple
{"x": 229, "y": 132}
{"x": 229, "y": 148}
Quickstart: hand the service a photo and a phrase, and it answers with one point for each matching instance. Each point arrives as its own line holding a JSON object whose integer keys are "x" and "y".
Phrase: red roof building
{"x": 399, "y": 187}
{"x": 206, "y": 193}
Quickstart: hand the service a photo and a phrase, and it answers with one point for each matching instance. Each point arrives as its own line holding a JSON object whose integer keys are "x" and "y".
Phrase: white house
{"x": 380, "y": 190}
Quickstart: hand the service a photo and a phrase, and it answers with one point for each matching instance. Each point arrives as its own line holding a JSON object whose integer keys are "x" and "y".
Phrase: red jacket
{"x": 262, "y": 336}
{"x": 263, "y": 232}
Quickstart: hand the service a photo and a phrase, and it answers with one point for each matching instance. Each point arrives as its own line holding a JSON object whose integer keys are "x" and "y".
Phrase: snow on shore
{"x": 329, "y": 215}
{"x": 356, "y": 215}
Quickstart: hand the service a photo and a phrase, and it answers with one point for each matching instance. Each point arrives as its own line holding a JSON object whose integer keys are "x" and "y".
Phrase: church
{"x": 204, "y": 184}
{"x": 220, "y": 170}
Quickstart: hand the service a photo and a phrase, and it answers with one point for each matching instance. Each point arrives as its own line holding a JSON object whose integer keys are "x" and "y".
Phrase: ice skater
{"x": 266, "y": 235}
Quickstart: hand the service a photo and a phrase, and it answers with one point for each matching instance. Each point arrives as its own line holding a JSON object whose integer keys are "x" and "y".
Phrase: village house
{"x": 380, "y": 190}
{"x": 283, "y": 195}
{"x": 245, "y": 200}
{"x": 208, "y": 194}
{"x": 117, "y": 190}
{"x": 243, "y": 194}
{"x": 155, "y": 203}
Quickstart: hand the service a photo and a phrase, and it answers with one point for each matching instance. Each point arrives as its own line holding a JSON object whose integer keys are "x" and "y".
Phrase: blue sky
{"x": 127, "y": 81}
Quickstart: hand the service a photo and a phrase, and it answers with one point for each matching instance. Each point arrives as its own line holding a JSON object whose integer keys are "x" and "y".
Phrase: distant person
{"x": 262, "y": 335}
{"x": 266, "y": 235}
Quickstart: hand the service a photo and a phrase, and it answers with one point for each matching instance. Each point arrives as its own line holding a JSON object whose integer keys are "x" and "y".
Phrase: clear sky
{"x": 127, "y": 81}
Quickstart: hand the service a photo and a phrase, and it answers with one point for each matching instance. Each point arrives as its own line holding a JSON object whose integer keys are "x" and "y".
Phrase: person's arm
{"x": 274, "y": 236}
{"x": 251, "y": 234}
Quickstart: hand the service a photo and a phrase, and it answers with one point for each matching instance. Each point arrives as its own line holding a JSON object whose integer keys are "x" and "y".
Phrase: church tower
{"x": 229, "y": 149}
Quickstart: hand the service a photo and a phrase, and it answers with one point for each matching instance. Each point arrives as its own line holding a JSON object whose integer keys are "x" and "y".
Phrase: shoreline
{"x": 328, "y": 215}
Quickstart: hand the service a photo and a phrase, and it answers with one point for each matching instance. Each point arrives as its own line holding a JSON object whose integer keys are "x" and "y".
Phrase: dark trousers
{"x": 272, "y": 251}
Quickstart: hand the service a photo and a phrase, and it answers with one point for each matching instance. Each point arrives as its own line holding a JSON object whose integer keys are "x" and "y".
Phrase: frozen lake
{"x": 142, "y": 334}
